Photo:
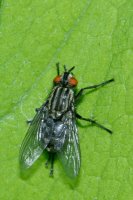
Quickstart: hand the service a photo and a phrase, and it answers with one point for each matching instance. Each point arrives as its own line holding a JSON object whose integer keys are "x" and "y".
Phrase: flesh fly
{"x": 54, "y": 129}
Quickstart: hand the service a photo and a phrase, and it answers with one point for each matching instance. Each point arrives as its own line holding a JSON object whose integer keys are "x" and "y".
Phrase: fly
{"x": 54, "y": 129}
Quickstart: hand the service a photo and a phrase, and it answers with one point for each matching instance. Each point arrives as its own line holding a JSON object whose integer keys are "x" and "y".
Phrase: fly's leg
{"x": 51, "y": 160}
{"x": 52, "y": 164}
{"x": 46, "y": 163}
{"x": 94, "y": 122}
{"x": 58, "y": 68}
{"x": 29, "y": 121}
{"x": 41, "y": 108}
{"x": 37, "y": 109}
{"x": 65, "y": 68}
{"x": 93, "y": 87}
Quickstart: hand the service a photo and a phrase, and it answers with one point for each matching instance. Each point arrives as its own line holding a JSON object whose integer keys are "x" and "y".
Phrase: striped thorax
{"x": 60, "y": 101}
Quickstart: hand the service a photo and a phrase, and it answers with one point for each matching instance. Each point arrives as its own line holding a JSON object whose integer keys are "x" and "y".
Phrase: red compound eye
{"x": 73, "y": 82}
{"x": 57, "y": 79}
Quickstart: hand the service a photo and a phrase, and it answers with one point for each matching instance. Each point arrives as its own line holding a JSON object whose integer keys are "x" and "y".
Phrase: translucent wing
{"x": 31, "y": 147}
{"x": 70, "y": 152}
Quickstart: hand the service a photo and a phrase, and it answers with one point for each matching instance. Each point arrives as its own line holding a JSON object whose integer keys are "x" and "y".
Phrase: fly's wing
{"x": 31, "y": 147}
{"x": 70, "y": 152}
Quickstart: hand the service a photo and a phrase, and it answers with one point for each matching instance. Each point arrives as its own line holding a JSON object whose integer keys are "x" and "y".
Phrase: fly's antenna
{"x": 65, "y": 68}
{"x": 71, "y": 69}
{"x": 58, "y": 68}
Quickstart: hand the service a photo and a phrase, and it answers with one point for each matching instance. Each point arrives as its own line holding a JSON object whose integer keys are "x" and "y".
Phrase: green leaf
{"x": 96, "y": 37}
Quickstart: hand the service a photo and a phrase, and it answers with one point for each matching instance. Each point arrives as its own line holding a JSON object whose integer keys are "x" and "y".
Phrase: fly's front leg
{"x": 58, "y": 68}
{"x": 37, "y": 109}
{"x": 30, "y": 121}
{"x": 93, "y": 87}
{"x": 93, "y": 122}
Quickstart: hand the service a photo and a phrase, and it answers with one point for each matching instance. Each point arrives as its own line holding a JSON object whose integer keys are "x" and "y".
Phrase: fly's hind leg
{"x": 51, "y": 160}
{"x": 52, "y": 165}
{"x": 47, "y": 162}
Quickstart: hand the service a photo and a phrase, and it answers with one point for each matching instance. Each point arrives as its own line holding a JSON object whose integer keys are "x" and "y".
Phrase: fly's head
{"x": 67, "y": 79}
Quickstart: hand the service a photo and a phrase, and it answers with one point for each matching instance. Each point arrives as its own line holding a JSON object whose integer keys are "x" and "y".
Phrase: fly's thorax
{"x": 60, "y": 100}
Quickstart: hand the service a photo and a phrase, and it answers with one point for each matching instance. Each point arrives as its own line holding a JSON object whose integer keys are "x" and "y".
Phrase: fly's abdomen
{"x": 60, "y": 100}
